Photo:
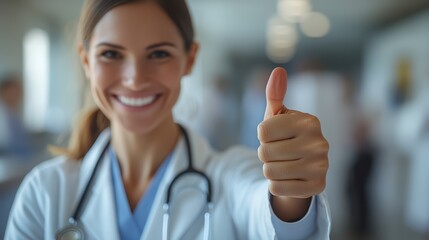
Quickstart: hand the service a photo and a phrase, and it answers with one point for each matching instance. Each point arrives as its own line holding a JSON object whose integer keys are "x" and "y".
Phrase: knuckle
{"x": 262, "y": 132}
{"x": 260, "y": 152}
{"x": 324, "y": 166}
{"x": 322, "y": 147}
{"x": 315, "y": 121}
{"x": 312, "y": 122}
{"x": 319, "y": 169}
{"x": 316, "y": 147}
{"x": 268, "y": 171}
{"x": 278, "y": 189}
{"x": 327, "y": 145}
{"x": 263, "y": 153}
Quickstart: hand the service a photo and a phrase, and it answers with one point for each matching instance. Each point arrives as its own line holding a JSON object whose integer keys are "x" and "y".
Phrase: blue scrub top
{"x": 131, "y": 224}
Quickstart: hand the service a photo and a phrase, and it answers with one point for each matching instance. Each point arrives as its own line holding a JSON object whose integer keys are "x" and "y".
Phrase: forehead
{"x": 139, "y": 22}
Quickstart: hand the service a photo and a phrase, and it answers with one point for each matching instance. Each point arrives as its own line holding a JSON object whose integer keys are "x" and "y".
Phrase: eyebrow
{"x": 110, "y": 45}
{"x": 161, "y": 44}
{"x": 148, "y": 48}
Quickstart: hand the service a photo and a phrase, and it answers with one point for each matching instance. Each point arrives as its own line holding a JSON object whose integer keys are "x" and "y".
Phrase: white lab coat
{"x": 49, "y": 194}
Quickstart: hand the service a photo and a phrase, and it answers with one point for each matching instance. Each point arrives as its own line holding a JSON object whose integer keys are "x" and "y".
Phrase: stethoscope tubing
{"x": 74, "y": 228}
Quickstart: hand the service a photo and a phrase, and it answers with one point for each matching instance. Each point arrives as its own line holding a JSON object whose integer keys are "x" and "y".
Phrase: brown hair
{"x": 93, "y": 122}
{"x": 177, "y": 10}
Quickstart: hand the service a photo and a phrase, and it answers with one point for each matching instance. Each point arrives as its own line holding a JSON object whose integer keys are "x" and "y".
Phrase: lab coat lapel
{"x": 98, "y": 216}
{"x": 90, "y": 159}
{"x": 186, "y": 209}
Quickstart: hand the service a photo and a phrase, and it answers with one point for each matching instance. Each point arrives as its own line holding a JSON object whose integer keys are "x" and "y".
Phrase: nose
{"x": 136, "y": 75}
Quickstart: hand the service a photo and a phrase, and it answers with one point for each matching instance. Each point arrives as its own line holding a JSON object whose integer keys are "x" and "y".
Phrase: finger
{"x": 275, "y": 92}
{"x": 287, "y": 126}
{"x": 295, "y": 170}
{"x": 293, "y": 149}
{"x": 297, "y": 188}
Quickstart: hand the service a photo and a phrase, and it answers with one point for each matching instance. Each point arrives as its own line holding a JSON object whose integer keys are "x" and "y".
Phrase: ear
{"x": 83, "y": 54}
{"x": 192, "y": 55}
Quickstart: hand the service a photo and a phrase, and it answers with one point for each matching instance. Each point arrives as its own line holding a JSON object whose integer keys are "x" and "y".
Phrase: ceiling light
{"x": 315, "y": 24}
{"x": 280, "y": 54}
{"x": 293, "y": 10}
{"x": 281, "y": 33}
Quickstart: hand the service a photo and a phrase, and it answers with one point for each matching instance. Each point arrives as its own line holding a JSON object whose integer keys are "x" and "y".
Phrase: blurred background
{"x": 362, "y": 67}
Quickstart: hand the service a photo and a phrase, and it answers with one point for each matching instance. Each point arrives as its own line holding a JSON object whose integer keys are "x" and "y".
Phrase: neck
{"x": 140, "y": 155}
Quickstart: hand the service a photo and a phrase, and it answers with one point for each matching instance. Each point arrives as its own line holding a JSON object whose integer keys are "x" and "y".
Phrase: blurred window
{"x": 36, "y": 78}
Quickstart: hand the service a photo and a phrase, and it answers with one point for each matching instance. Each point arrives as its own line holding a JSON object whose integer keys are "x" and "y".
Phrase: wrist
{"x": 290, "y": 209}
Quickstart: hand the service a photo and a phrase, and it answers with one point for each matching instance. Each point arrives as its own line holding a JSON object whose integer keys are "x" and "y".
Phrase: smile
{"x": 137, "y": 102}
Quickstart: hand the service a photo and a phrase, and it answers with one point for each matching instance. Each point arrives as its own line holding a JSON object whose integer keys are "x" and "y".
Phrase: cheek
{"x": 103, "y": 76}
{"x": 172, "y": 75}
{"x": 101, "y": 79}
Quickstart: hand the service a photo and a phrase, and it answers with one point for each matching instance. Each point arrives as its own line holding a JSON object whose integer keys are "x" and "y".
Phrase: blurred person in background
{"x": 412, "y": 131}
{"x": 14, "y": 139}
{"x": 114, "y": 180}
{"x": 364, "y": 156}
{"x": 411, "y": 139}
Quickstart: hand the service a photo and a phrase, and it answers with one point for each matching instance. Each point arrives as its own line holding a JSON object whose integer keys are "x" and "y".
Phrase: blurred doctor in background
{"x": 14, "y": 139}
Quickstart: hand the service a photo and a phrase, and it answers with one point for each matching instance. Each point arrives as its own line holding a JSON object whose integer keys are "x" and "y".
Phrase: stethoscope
{"x": 74, "y": 230}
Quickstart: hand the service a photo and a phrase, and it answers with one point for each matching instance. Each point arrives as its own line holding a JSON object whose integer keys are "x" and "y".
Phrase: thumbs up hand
{"x": 293, "y": 150}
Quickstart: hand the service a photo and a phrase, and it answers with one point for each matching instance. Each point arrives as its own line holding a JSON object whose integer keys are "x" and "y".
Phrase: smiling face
{"x": 135, "y": 60}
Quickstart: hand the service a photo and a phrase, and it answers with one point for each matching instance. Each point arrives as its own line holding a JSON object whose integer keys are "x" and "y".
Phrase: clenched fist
{"x": 293, "y": 150}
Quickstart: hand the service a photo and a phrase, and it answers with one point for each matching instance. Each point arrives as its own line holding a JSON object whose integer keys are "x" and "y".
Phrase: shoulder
{"x": 61, "y": 171}
{"x": 55, "y": 168}
{"x": 38, "y": 201}
{"x": 54, "y": 172}
{"x": 41, "y": 187}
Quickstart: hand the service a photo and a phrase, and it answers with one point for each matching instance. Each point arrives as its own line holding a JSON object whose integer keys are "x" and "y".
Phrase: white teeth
{"x": 136, "y": 102}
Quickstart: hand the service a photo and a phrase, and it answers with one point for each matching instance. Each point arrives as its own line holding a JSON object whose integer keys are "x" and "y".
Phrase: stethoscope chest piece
{"x": 70, "y": 232}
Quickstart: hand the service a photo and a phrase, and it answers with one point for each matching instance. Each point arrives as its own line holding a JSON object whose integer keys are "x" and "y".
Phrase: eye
{"x": 159, "y": 54}
{"x": 110, "y": 54}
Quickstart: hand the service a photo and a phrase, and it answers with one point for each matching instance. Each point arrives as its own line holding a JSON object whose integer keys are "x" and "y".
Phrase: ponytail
{"x": 90, "y": 125}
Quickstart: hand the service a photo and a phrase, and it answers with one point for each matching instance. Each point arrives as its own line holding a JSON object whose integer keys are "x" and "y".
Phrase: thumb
{"x": 276, "y": 92}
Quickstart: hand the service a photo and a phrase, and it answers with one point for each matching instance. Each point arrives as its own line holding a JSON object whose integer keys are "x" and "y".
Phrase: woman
{"x": 134, "y": 54}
